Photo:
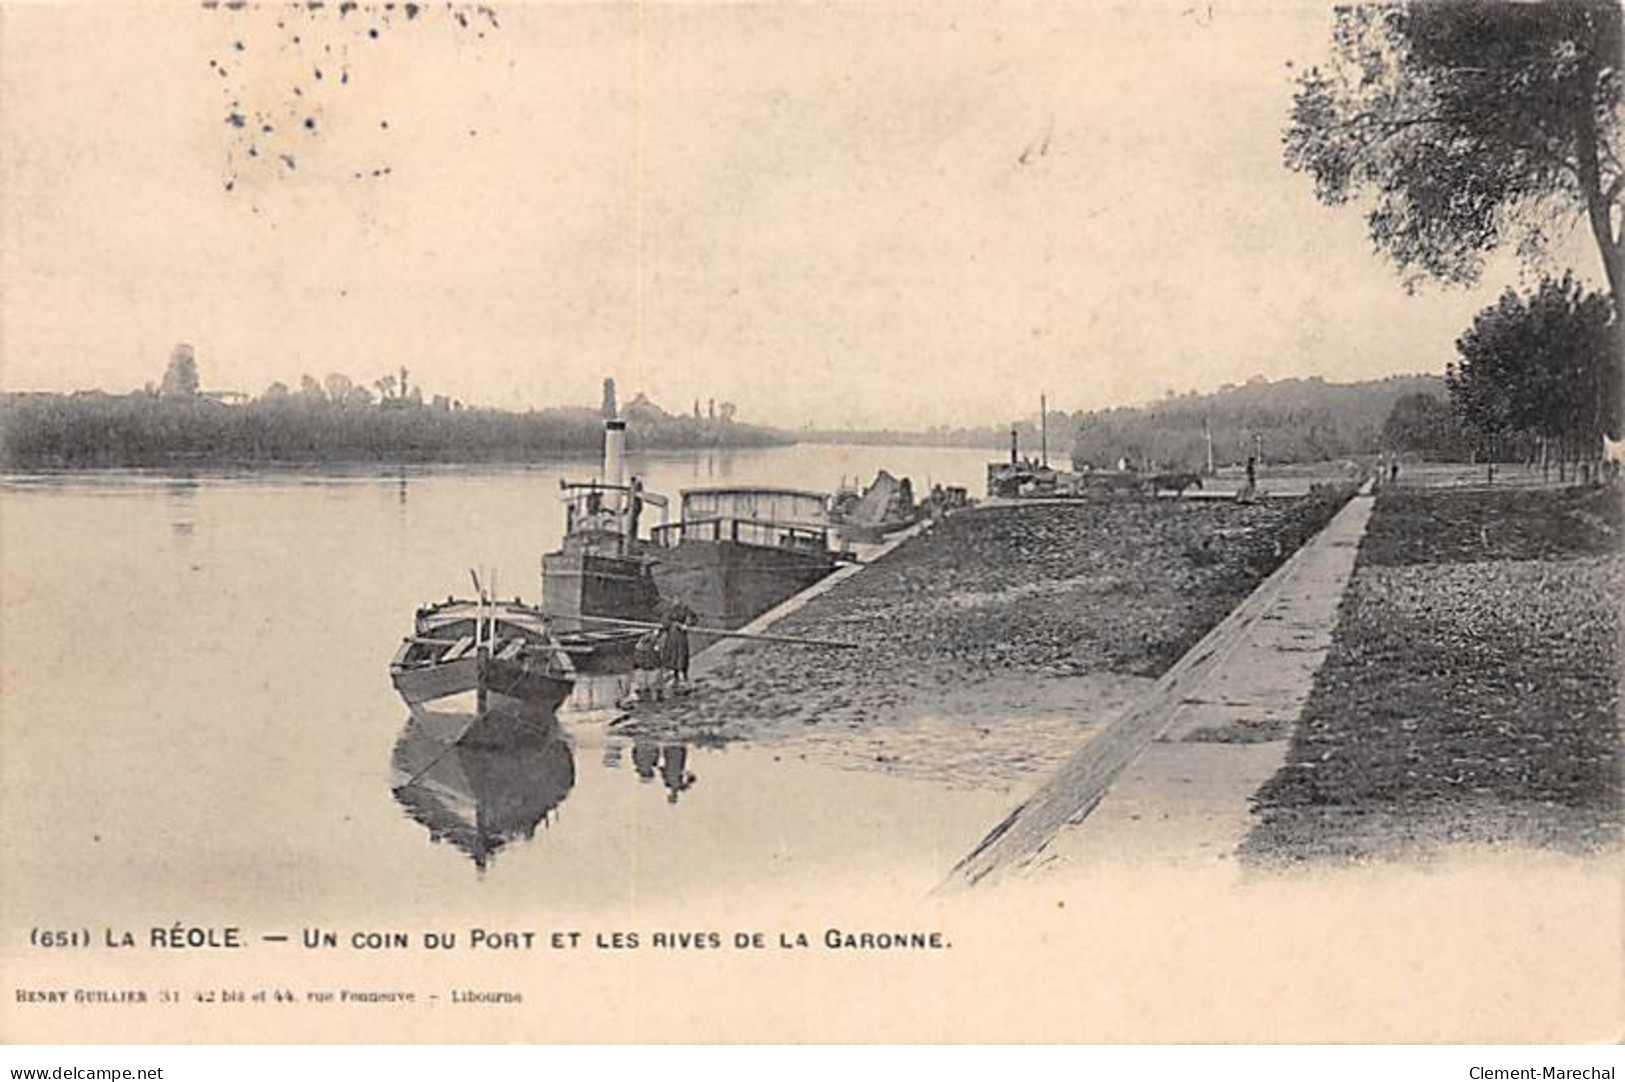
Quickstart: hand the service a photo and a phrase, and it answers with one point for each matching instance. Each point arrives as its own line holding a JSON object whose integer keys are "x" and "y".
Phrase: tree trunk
{"x": 1599, "y": 208}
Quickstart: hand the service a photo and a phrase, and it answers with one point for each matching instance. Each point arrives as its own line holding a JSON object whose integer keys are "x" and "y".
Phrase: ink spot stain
{"x": 383, "y": 123}
{"x": 287, "y": 160}
{"x": 318, "y": 73}
{"x": 238, "y": 46}
{"x": 310, "y": 123}
{"x": 373, "y": 33}
{"x": 235, "y": 120}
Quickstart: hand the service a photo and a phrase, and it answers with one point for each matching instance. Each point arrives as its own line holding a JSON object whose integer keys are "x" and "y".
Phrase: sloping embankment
{"x": 1000, "y": 614}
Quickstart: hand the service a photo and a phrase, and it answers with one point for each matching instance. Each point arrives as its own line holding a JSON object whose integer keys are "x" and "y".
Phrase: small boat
{"x": 503, "y": 653}
{"x": 603, "y": 570}
{"x": 734, "y": 553}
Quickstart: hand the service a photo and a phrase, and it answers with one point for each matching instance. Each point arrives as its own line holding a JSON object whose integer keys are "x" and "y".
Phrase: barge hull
{"x": 728, "y": 584}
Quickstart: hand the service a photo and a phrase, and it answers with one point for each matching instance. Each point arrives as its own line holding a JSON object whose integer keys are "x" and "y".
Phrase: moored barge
{"x": 734, "y": 553}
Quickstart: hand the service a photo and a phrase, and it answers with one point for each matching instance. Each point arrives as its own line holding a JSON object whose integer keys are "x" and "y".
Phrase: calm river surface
{"x": 196, "y": 715}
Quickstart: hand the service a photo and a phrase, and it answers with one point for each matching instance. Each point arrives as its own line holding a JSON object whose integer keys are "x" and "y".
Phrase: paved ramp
{"x": 1169, "y": 778}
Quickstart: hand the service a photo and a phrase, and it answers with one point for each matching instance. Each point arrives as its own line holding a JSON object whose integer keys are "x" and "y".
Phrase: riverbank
{"x": 1471, "y": 693}
{"x": 989, "y": 647}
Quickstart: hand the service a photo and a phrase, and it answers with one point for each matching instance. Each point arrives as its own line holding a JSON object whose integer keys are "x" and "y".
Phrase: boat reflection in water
{"x": 480, "y": 781}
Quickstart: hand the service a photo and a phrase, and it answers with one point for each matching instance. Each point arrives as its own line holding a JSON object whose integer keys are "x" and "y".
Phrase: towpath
{"x": 1168, "y": 780}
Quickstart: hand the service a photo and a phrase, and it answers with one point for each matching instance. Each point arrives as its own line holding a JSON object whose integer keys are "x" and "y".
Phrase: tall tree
{"x": 1472, "y": 123}
{"x": 180, "y": 377}
{"x": 338, "y": 387}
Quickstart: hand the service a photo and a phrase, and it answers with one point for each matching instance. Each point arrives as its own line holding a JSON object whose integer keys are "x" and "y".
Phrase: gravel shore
{"x": 990, "y": 646}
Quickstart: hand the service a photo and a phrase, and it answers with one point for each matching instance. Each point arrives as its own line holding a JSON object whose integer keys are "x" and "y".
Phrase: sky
{"x": 860, "y": 215}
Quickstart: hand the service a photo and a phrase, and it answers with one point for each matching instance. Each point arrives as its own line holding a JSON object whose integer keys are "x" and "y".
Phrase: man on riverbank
{"x": 674, "y": 648}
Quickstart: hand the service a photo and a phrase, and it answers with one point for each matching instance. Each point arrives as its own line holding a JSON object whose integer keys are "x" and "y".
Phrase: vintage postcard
{"x": 887, "y": 522}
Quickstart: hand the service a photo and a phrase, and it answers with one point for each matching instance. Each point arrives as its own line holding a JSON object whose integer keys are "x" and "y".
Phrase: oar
{"x": 753, "y": 636}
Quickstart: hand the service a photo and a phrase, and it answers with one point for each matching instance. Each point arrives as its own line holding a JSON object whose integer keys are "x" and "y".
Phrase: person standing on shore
{"x": 647, "y": 677}
{"x": 675, "y": 643}
{"x": 634, "y": 508}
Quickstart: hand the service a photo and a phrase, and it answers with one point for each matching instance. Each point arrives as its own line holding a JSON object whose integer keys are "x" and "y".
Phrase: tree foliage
{"x": 93, "y": 429}
{"x": 1423, "y": 423}
{"x": 1540, "y": 366}
{"x": 1471, "y": 123}
{"x": 1307, "y": 420}
{"x": 180, "y": 377}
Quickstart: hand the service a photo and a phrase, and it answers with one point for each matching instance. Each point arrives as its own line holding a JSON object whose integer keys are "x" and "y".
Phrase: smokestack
{"x": 615, "y": 452}
{"x": 1043, "y": 428}
{"x": 1015, "y": 447}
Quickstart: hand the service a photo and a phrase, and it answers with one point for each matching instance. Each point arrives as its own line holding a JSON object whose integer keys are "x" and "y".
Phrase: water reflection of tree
{"x": 483, "y": 782}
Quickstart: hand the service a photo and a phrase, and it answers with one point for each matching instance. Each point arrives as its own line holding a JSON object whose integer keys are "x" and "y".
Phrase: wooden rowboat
{"x": 500, "y": 653}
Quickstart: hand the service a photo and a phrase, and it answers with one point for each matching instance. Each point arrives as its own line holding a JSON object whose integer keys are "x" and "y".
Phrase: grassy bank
{"x": 1472, "y": 689}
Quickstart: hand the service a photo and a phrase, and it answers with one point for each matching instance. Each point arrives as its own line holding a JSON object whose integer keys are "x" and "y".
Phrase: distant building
{"x": 642, "y": 409}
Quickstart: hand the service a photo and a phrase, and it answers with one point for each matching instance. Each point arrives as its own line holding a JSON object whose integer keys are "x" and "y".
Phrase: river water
{"x": 196, "y": 715}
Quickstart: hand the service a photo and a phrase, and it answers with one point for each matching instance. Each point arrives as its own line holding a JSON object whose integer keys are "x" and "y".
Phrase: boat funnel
{"x": 615, "y": 452}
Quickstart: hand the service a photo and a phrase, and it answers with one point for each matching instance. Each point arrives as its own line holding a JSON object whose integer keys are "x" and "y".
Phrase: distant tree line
{"x": 1288, "y": 421}
{"x": 329, "y": 420}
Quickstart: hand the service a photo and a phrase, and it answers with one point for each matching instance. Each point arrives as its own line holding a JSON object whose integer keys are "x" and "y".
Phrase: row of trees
{"x": 330, "y": 420}
{"x": 181, "y": 380}
{"x": 1535, "y": 377}
{"x": 102, "y": 430}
